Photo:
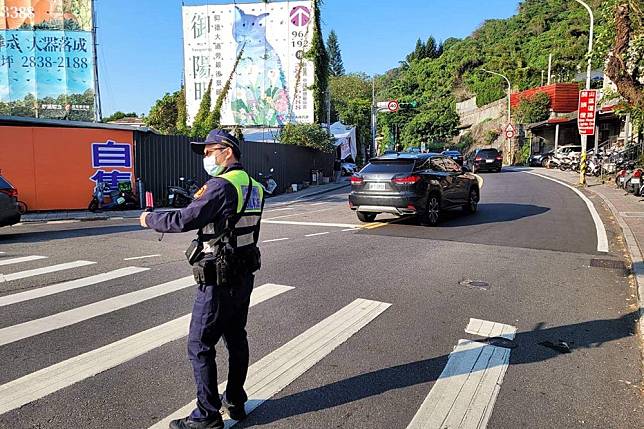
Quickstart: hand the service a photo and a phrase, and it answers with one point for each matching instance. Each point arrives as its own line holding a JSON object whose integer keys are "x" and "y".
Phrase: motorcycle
{"x": 269, "y": 184}
{"x": 121, "y": 198}
{"x": 565, "y": 163}
{"x": 182, "y": 195}
{"x": 632, "y": 185}
{"x": 593, "y": 167}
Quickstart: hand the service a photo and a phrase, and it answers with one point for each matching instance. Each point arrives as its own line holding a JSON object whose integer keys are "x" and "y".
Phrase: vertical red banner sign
{"x": 587, "y": 111}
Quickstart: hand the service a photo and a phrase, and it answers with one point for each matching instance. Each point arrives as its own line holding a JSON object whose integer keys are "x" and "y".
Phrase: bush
{"x": 307, "y": 135}
{"x": 533, "y": 109}
{"x": 491, "y": 136}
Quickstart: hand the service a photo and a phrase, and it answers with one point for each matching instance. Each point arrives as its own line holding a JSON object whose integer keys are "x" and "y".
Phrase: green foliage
{"x": 533, "y": 109}
{"x": 336, "y": 66}
{"x": 119, "y": 115}
{"x": 214, "y": 117}
{"x": 200, "y": 125}
{"x": 465, "y": 142}
{"x": 182, "y": 114}
{"x": 307, "y": 135}
{"x": 320, "y": 58}
{"x": 491, "y": 136}
{"x": 429, "y": 49}
{"x": 351, "y": 102}
{"x": 522, "y": 155}
{"x": 163, "y": 115}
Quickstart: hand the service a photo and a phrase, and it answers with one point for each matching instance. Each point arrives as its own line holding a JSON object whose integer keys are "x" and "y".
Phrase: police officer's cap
{"x": 221, "y": 137}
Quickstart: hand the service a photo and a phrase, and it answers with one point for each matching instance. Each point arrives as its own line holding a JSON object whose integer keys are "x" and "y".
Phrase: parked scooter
{"x": 121, "y": 198}
{"x": 593, "y": 166}
{"x": 632, "y": 184}
{"x": 565, "y": 163}
{"x": 182, "y": 195}
{"x": 269, "y": 184}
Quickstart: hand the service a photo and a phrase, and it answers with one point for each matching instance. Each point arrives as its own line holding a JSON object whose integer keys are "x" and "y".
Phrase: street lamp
{"x": 584, "y": 138}
{"x": 509, "y": 92}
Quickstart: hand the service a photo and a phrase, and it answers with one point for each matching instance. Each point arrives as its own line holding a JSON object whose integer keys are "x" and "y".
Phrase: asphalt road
{"x": 532, "y": 243}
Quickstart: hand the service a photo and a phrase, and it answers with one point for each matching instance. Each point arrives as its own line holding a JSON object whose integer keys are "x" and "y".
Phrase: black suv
{"x": 412, "y": 184}
{"x": 9, "y": 209}
{"x": 486, "y": 160}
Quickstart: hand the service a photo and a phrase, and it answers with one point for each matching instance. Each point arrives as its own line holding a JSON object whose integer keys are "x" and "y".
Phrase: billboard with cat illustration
{"x": 47, "y": 59}
{"x": 270, "y": 86}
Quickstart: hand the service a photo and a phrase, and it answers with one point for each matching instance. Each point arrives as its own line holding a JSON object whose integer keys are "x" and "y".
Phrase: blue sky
{"x": 140, "y": 42}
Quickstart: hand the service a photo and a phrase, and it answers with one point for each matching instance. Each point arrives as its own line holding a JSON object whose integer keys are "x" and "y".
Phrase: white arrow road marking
{"x": 21, "y": 259}
{"x": 74, "y": 284}
{"x": 76, "y": 315}
{"x": 280, "y": 368}
{"x": 465, "y": 393}
{"x": 48, "y": 380}
{"x": 44, "y": 270}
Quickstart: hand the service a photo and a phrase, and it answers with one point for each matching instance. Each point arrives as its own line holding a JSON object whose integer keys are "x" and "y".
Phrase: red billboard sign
{"x": 587, "y": 111}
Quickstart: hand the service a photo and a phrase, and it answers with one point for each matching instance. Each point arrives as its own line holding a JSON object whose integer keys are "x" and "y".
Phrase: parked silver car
{"x": 9, "y": 209}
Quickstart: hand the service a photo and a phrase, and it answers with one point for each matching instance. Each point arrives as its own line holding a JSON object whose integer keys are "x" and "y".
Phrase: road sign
{"x": 393, "y": 106}
{"x": 509, "y": 131}
{"x": 587, "y": 111}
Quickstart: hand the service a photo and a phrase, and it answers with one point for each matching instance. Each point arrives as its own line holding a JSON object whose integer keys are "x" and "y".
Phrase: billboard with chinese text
{"x": 271, "y": 84}
{"x": 47, "y": 59}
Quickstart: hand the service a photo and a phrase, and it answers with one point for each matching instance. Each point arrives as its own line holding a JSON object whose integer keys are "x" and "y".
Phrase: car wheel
{"x": 544, "y": 163}
{"x": 472, "y": 201}
{"x": 367, "y": 217}
{"x": 431, "y": 215}
{"x": 93, "y": 205}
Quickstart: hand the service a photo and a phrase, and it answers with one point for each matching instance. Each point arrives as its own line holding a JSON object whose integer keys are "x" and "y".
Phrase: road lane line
{"x": 279, "y": 210}
{"x": 316, "y": 234}
{"x": 48, "y": 380}
{"x": 274, "y": 240}
{"x": 300, "y": 214}
{"x": 74, "y": 284}
{"x": 465, "y": 393}
{"x": 44, "y": 270}
{"x": 350, "y": 229}
{"x": 602, "y": 239}
{"x": 62, "y": 222}
{"x": 317, "y": 204}
{"x": 287, "y": 222}
{"x": 21, "y": 259}
{"x": 60, "y": 320}
{"x": 274, "y": 372}
{"x": 141, "y": 257}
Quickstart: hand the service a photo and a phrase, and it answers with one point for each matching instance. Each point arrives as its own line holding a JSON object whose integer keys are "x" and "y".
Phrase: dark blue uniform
{"x": 217, "y": 311}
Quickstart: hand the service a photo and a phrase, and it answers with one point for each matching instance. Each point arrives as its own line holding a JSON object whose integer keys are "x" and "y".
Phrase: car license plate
{"x": 635, "y": 181}
{"x": 377, "y": 186}
{"x": 489, "y": 161}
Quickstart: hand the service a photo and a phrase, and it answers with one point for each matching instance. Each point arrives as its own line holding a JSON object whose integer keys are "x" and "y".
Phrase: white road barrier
{"x": 278, "y": 369}
{"x": 464, "y": 394}
{"x": 46, "y": 381}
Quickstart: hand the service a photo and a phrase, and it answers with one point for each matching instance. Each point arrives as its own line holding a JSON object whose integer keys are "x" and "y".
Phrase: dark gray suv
{"x": 9, "y": 210}
{"x": 412, "y": 184}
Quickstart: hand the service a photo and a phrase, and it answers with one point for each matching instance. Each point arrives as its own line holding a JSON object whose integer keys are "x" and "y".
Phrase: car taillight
{"x": 499, "y": 158}
{"x": 637, "y": 173}
{"x": 11, "y": 192}
{"x": 409, "y": 180}
{"x": 355, "y": 180}
{"x": 478, "y": 158}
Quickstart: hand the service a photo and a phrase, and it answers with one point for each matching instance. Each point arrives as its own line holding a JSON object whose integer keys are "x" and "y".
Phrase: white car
{"x": 568, "y": 150}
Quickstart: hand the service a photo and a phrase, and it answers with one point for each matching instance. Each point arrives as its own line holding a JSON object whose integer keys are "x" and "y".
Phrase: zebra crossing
{"x": 266, "y": 377}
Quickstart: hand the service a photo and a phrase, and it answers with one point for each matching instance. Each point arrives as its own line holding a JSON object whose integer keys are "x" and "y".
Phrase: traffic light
{"x": 410, "y": 105}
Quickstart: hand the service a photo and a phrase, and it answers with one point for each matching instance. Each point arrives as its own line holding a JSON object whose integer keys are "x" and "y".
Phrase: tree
{"x": 351, "y": 101}
{"x": 533, "y": 109}
{"x": 307, "y": 135}
{"x": 119, "y": 115}
{"x": 214, "y": 118}
{"x": 200, "y": 125}
{"x": 320, "y": 58}
{"x": 336, "y": 66}
{"x": 163, "y": 115}
{"x": 182, "y": 114}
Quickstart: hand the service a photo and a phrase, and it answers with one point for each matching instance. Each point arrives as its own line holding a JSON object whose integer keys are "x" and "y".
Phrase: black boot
{"x": 236, "y": 411}
{"x": 186, "y": 423}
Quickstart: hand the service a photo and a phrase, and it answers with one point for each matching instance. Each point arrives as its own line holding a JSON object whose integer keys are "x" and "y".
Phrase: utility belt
{"x": 226, "y": 267}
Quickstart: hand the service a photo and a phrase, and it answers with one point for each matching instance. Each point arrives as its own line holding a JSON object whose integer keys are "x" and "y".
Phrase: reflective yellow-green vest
{"x": 246, "y": 229}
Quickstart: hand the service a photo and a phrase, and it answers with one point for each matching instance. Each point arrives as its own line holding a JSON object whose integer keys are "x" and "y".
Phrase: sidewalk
{"x": 629, "y": 213}
{"x": 84, "y": 215}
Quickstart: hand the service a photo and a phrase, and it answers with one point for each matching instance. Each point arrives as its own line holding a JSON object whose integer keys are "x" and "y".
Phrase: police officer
{"x": 226, "y": 212}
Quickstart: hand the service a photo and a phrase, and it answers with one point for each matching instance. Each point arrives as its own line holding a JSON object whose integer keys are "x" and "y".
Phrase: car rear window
{"x": 388, "y": 167}
{"x": 4, "y": 184}
{"x": 488, "y": 153}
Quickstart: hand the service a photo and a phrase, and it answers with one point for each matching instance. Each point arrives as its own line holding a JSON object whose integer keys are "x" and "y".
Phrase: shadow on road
{"x": 487, "y": 213}
{"x": 591, "y": 334}
{"x": 40, "y": 236}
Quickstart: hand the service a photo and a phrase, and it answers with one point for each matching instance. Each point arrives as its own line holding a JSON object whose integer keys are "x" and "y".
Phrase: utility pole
{"x": 509, "y": 106}
{"x": 549, "y": 68}
{"x": 98, "y": 114}
{"x": 584, "y": 138}
{"x": 374, "y": 117}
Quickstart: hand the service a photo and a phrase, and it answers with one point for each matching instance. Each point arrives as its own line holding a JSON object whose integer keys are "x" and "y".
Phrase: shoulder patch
{"x": 201, "y": 191}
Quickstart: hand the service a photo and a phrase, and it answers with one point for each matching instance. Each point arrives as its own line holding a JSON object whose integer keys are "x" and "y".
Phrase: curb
{"x": 636, "y": 259}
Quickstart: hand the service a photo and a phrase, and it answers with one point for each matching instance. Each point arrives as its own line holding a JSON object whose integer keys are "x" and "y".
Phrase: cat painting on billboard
{"x": 261, "y": 93}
